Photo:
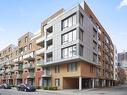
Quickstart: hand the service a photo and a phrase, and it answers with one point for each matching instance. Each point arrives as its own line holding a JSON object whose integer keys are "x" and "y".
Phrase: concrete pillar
{"x": 93, "y": 83}
{"x": 109, "y": 83}
{"x": 80, "y": 83}
{"x": 89, "y": 83}
{"x": 40, "y": 82}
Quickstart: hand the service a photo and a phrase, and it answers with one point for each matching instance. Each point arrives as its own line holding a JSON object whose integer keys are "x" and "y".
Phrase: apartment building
{"x": 72, "y": 50}
{"x": 122, "y": 60}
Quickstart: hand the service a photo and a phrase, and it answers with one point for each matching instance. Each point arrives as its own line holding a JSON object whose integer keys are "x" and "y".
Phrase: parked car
{"x": 26, "y": 87}
{"x": 5, "y": 86}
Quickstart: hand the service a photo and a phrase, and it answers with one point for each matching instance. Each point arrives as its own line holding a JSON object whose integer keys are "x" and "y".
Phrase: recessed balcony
{"x": 40, "y": 41}
{"x": 40, "y": 52}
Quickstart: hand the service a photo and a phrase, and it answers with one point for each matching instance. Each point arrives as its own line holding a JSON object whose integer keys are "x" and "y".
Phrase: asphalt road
{"x": 118, "y": 90}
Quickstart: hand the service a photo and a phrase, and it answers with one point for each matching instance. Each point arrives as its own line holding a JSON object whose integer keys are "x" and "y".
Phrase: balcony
{"x": 2, "y": 71}
{"x": 40, "y": 41}
{"x": 39, "y": 63}
{"x": 8, "y": 70}
{"x": 40, "y": 52}
{"x": 18, "y": 68}
{"x": 28, "y": 66}
{"x": 99, "y": 42}
{"x": 31, "y": 75}
{"x": 46, "y": 73}
{"x": 9, "y": 76}
{"x": 18, "y": 76}
{"x": 99, "y": 52}
{"x": 29, "y": 56}
{"x": 49, "y": 44}
{"x": 18, "y": 60}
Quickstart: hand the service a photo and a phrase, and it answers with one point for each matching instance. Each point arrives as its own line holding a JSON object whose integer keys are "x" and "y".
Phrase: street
{"x": 118, "y": 90}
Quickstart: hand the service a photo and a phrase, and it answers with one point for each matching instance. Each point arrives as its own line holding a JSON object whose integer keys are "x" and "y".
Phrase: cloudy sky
{"x": 20, "y": 16}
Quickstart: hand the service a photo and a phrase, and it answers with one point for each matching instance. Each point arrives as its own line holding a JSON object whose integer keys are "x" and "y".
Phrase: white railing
{"x": 30, "y": 55}
{"x": 40, "y": 51}
{"x": 40, "y": 40}
{"x": 29, "y": 65}
{"x": 46, "y": 73}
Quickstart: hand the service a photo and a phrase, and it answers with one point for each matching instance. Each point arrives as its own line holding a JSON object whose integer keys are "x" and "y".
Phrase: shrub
{"x": 12, "y": 85}
{"x": 45, "y": 88}
{"x": 50, "y": 88}
{"x": 38, "y": 87}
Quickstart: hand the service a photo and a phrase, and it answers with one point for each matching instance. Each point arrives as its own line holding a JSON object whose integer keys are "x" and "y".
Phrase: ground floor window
{"x": 57, "y": 82}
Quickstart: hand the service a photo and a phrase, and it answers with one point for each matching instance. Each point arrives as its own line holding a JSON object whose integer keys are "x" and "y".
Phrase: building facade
{"x": 122, "y": 60}
{"x": 72, "y": 50}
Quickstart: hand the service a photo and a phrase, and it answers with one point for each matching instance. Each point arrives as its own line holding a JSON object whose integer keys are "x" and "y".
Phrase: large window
{"x": 94, "y": 45}
{"x": 81, "y": 19}
{"x": 26, "y": 39}
{"x": 25, "y": 48}
{"x": 57, "y": 69}
{"x": 69, "y": 52}
{"x": 49, "y": 30}
{"x": 57, "y": 82}
{"x": 68, "y": 22}
{"x": 94, "y": 57}
{"x": 72, "y": 67}
{"x": 80, "y": 50}
{"x": 68, "y": 37}
{"x": 81, "y": 34}
{"x": 94, "y": 33}
{"x": 49, "y": 57}
{"x": 30, "y": 46}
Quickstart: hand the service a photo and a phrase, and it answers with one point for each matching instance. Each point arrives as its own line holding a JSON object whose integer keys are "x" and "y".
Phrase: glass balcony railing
{"x": 31, "y": 75}
{"x": 40, "y": 63}
{"x": 28, "y": 66}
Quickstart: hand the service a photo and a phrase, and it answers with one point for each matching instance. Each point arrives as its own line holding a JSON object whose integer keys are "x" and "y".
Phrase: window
{"x": 57, "y": 69}
{"x": 94, "y": 45}
{"x": 26, "y": 39}
{"x": 81, "y": 50}
{"x": 49, "y": 57}
{"x": 49, "y": 30}
{"x": 16, "y": 52}
{"x": 94, "y": 33}
{"x": 9, "y": 49}
{"x": 49, "y": 43}
{"x": 81, "y": 34}
{"x": 72, "y": 67}
{"x": 19, "y": 43}
{"x": 94, "y": 57}
{"x": 57, "y": 82}
{"x": 91, "y": 69}
{"x": 25, "y": 48}
{"x": 81, "y": 19}
{"x": 65, "y": 53}
{"x": 69, "y": 52}
{"x": 68, "y": 22}
{"x": 69, "y": 37}
{"x": 30, "y": 46}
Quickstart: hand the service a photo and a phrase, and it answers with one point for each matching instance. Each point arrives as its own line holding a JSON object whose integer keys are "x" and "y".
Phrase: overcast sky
{"x": 20, "y": 16}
